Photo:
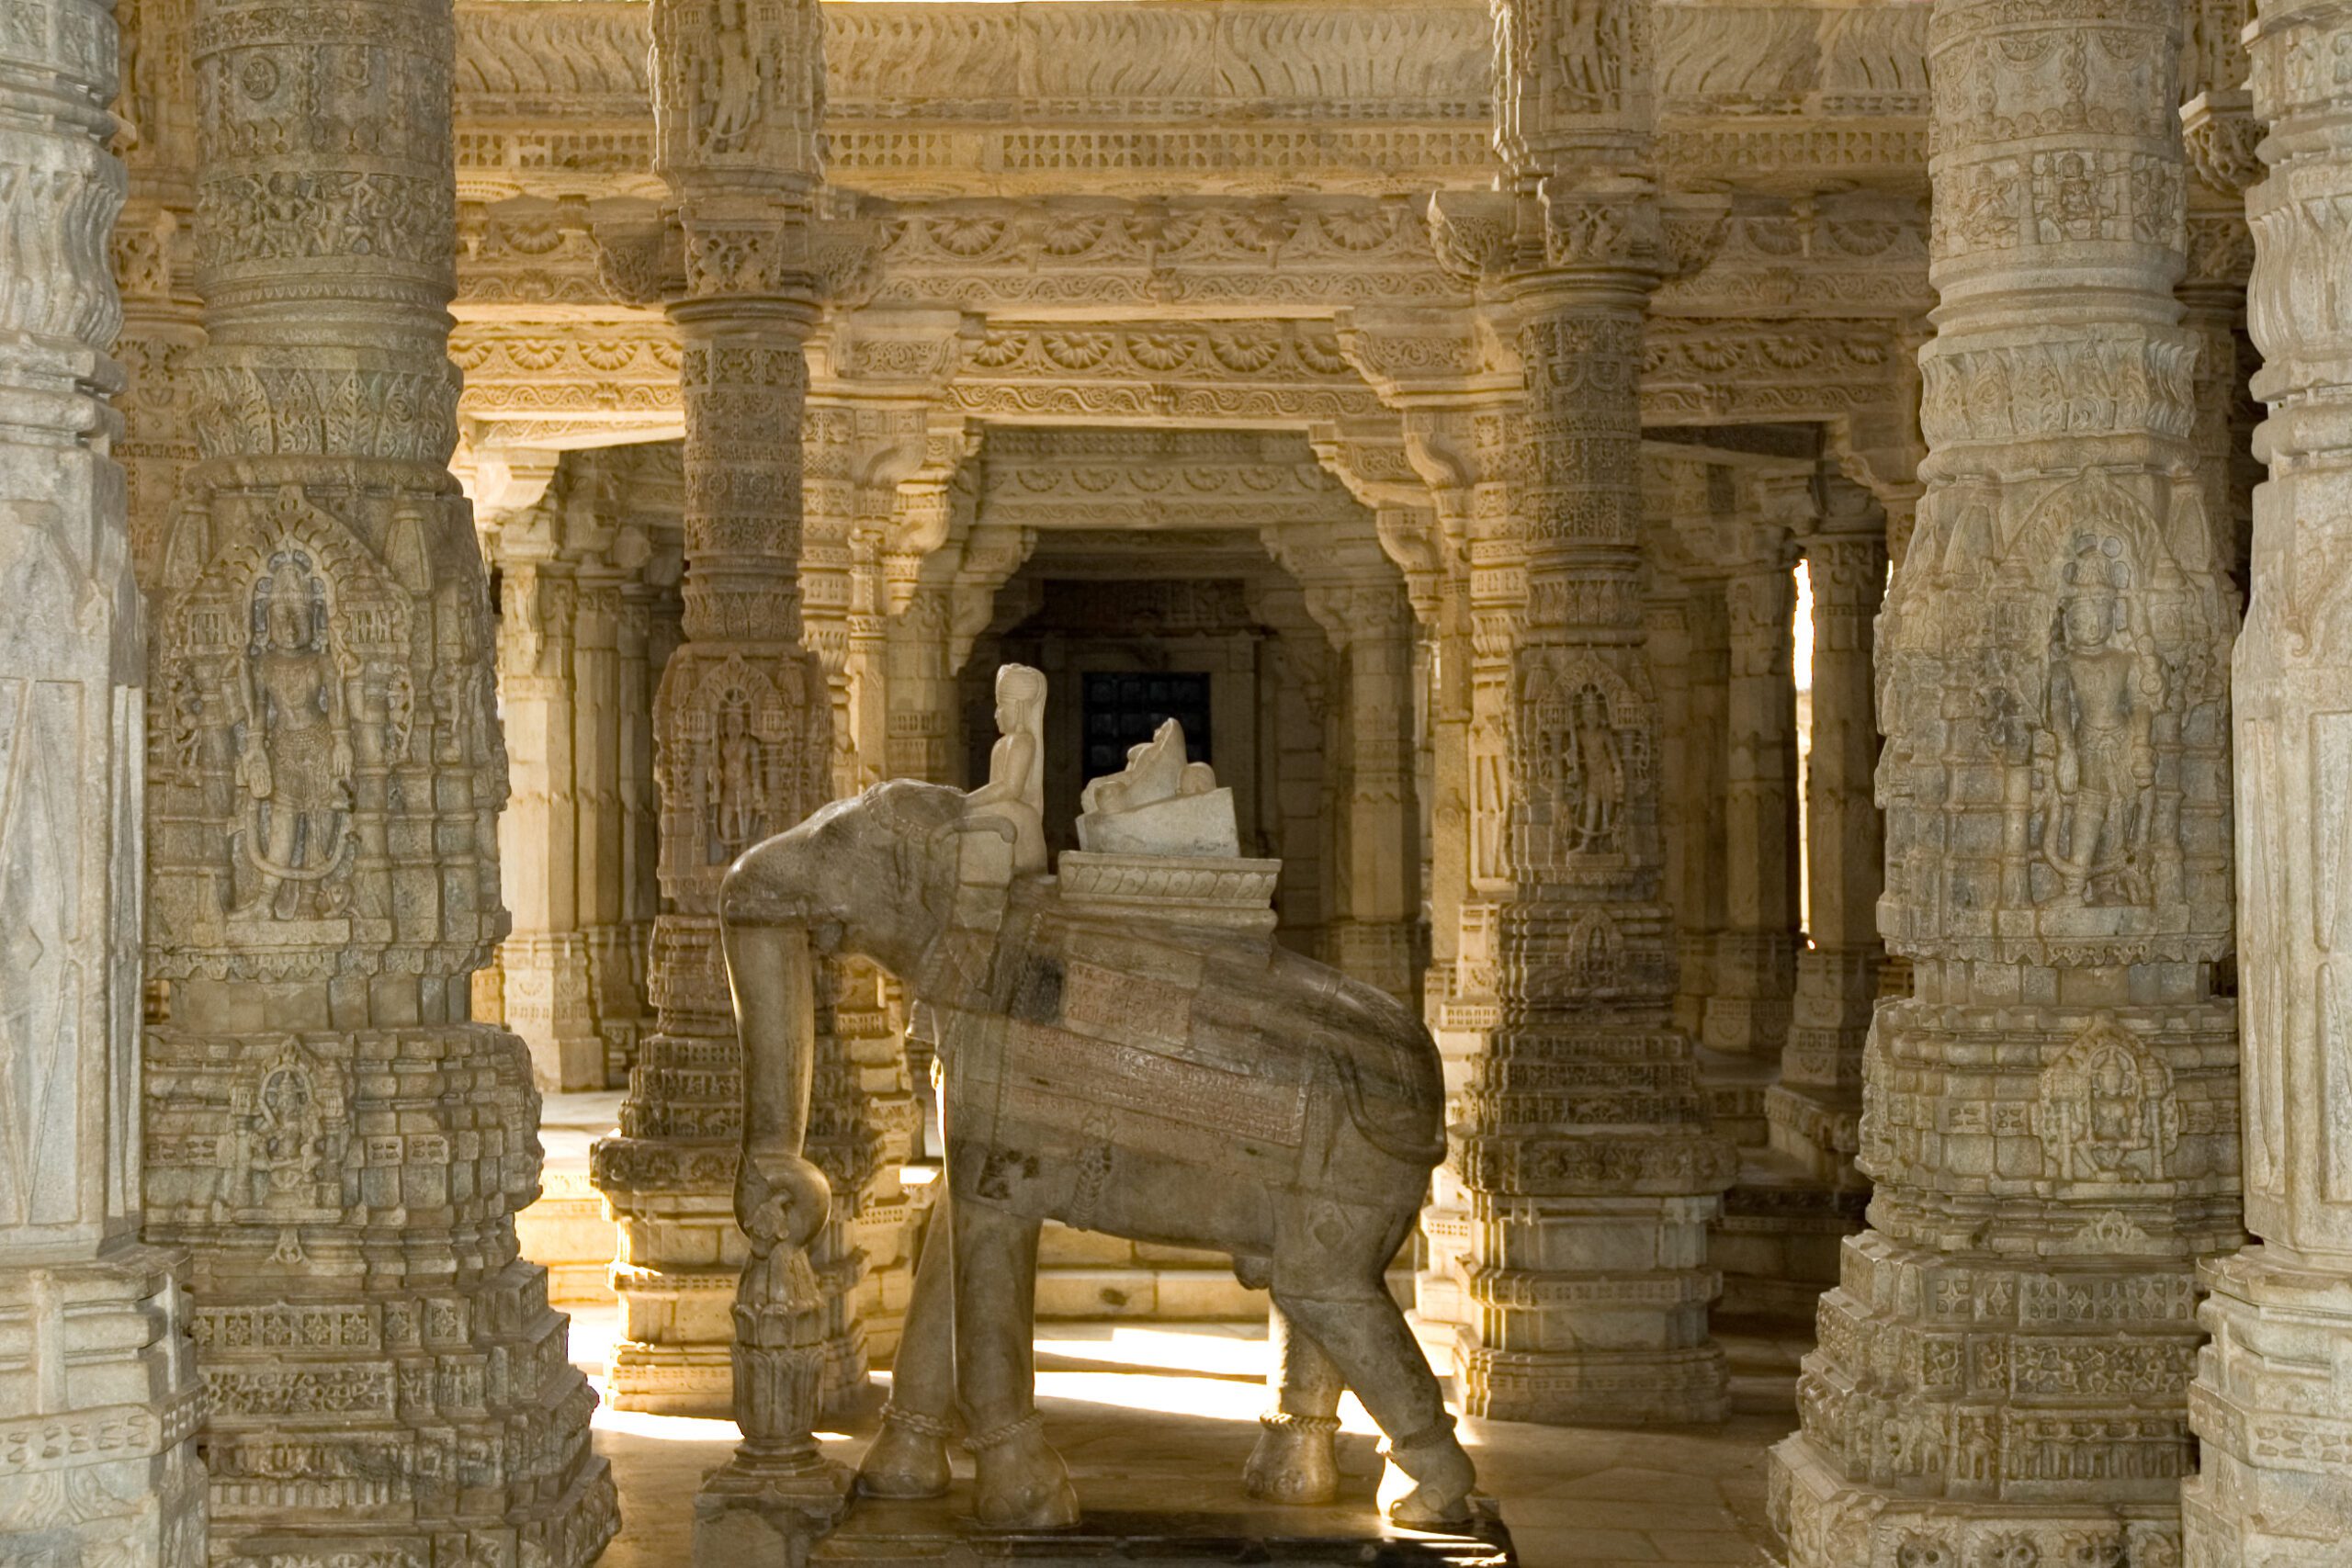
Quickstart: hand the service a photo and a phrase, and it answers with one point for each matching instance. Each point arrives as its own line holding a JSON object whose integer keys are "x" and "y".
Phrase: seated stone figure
{"x": 1146, "y": 1075}
{"x": 1016, "y": 791}
{"x": 1159, "y": 804}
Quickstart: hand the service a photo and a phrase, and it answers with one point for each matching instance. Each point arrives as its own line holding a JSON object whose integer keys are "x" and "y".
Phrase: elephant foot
{"x": 1296, "y": 1461}
{"x": 1442, "y": 1476}
{"x": 908, "y": 1459}
{"x": 1018, "y": 1481}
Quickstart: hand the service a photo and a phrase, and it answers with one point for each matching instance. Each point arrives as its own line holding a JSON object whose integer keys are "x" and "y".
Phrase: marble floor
{"x": 1140, "y": 1409}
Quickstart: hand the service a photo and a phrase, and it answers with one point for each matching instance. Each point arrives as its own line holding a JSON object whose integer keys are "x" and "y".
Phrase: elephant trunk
{"x": 781, "y": 1200}
{"x": 764, "y": 916}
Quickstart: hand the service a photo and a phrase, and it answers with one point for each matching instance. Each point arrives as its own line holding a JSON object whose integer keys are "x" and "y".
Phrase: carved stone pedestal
{"x": 743, "y": 1519}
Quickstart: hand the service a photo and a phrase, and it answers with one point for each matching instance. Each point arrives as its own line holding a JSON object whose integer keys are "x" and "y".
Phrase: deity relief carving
{"x": 742, "y": 752}
{"x": 739, "y": 84}
{"x": 2095, "y": 762}
{"x": 284, "y": 1153}
{"x": 290, "y": 666}
{"x": 2107, "y": 1111}
{"x": 293, "y": 749}
{"x": 1576, "y": 755}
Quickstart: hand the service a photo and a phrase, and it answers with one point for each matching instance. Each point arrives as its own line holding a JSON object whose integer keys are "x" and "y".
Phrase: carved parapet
{"x": 1215, "y": 890}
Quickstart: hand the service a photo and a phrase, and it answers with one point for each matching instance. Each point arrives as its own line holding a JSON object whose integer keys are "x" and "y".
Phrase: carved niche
{"x": 2107, "y": 1110}
{"x": 2057, "y": 780}
{"x": 316, "y": 695}
{"x": 1581, "y": 758}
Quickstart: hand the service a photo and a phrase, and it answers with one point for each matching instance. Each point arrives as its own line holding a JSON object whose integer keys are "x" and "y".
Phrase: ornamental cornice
{"x": 557, "y": 385}
{"x": 1723, "y": 372}
{"x": 1369, "y": 97}
{"x": 1054, "y": 480}
{"x": 1205, "y": 258}
{"x": 1179, "y": 256}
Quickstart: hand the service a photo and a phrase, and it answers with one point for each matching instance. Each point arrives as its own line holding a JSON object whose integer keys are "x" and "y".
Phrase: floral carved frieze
{"x": 1389, "y": 97}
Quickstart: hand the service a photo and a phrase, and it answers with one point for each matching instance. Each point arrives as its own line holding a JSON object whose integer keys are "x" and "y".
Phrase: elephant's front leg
{"x": 908, "y": 1456}
{"x": 1296, "y": 1458}
{"x": 1018, "y": 1482}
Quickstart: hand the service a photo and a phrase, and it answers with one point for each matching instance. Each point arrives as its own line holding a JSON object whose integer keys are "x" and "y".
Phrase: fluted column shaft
{"x": 99, "y": 1401}
{"x": 2051, "y": 1117}
{"x": 2269, "y": 1400}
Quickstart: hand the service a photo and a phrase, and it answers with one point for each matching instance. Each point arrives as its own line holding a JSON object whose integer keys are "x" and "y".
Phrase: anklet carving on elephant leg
{"x": 917, "y": 1423}
{"x": 997, "y": 1437}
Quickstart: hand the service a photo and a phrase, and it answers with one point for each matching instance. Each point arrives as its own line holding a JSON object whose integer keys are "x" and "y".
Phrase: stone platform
{"x": 1217, "y": 1525}
{"x": 1163, "y": 1415}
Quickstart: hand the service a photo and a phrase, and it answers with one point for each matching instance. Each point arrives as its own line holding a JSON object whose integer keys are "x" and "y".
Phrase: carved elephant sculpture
{"x": 1160, "y": 1081}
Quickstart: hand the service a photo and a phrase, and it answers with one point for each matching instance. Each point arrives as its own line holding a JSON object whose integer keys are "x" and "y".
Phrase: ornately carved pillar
{"x": 1591, "y": 1170}
{"x": 100, "y": 1400}
{"x": 1754, "y": 969}
{"x": 1737, "y": 920}
{"x": 743, "y": 717}
{"x": 1705, "y": 496}
{"x": 339, "y": 1148}
{"x": 2051, "y": 1116}
{"x": 1375, "y": 861}
{"x": 648, "y": 635}
{"x": 153, "y": 263}
{"x": 570, "y": 981}
{"x": 2271, "y": 1398}
{"x": 544, "y": 960}
{"x": 1815, "y": 1108}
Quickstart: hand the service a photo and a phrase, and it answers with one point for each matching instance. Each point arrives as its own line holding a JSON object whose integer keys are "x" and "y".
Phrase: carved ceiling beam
{"x": 554, "y": 385}
{"x": 1375, "y": 96}
{"x": 528, "y": 258}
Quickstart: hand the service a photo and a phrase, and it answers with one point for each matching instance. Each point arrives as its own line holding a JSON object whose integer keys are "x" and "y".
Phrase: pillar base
{"x": 746, "y": 1519}
{"x": 547, "y": 999}
{"x": 426, "y": 1448}
{"x": 1961, "y": 1399}
{"x": 2272, "y": 1405}
{"x": 1827, "y": 1521}
{"x": 100, "y": 1467}
{"x": 673, "y": 1378}
{"x": 1817, "y": 1129}
{"x": 1595, "y": 1388}
{"x": 1385, "y": 953}
{"x": 680, "y": 1256}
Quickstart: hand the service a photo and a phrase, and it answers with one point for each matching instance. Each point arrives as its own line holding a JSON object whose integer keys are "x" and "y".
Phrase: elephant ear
{"x": 958, "y": 867}
{"x": 980, "y": 851}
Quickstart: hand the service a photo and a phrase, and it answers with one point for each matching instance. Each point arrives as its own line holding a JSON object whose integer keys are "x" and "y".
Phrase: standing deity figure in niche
{"x": 294, "y": 746}
{"x": 1596, "y": 782}
{"x": 740, "y": 823}
{"x": 736, "y": 78}
{"x": 1016, "y": 791}
{"x": 1489, "y": 804}
{"x": 2102, "y": 764}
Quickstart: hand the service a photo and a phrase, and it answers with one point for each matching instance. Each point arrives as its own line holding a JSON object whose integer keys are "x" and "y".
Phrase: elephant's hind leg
{"x": 1364, "y": 1335}
{"x": 908, "y": 1456}
{"x": 1294, "y": 1460}
{"x": 1018, "y": 1481}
